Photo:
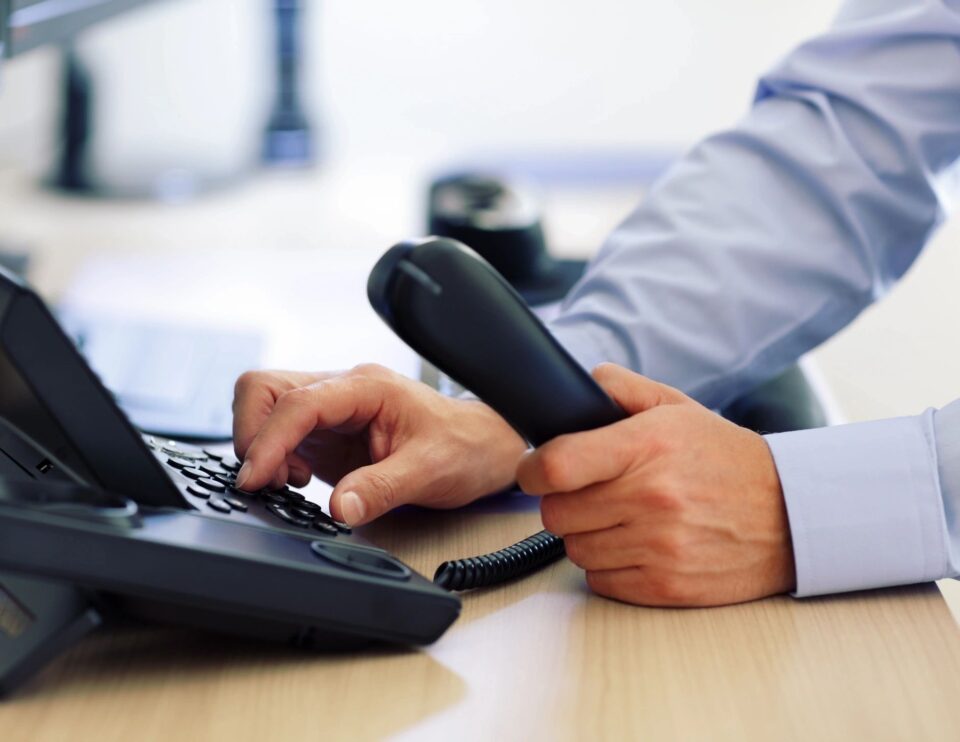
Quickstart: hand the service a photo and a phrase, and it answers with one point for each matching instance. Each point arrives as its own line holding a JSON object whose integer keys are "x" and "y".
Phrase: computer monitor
{"x": 26, "y": 24}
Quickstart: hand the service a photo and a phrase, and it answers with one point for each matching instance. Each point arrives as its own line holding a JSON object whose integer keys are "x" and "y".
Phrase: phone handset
{"x": 455, "y": 310}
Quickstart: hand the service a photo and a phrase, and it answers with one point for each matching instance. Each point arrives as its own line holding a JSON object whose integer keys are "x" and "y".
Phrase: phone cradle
{"x": 39, "y": 619}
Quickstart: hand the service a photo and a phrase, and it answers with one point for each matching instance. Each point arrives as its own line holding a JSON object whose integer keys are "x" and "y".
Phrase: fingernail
{"x": 244, "y": 474}
{"x": 352, "y": 508}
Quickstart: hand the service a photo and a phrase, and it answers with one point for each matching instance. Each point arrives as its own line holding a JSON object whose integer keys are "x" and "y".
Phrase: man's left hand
{"x": 672, "y": 506}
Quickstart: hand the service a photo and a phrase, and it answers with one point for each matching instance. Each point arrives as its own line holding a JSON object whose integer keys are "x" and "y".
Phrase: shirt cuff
{"x": 864, "y": 504}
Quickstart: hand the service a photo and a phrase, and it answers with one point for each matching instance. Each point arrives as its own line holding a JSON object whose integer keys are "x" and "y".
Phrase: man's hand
{"x": 381, "y": 438}
{"x": 672, "y": 506}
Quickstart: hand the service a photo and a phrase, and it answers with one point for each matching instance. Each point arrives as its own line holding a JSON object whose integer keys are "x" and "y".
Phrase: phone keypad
{"x": 212, "y": 477}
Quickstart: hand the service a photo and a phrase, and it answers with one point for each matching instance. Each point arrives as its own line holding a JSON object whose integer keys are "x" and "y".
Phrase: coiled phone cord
{"x": 525, "y": 556}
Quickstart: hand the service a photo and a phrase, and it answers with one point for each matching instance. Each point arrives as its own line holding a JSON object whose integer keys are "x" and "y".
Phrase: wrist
{"x": 494, "y": 445}
{"x": 781, "y": 573}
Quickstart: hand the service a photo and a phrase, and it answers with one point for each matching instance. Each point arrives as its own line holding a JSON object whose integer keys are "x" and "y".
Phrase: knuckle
{"x": 670, "y": 546}
{"x": 668, "y": 588}
{"x": 247, "y": 381}
{"x": 576, "y": 552}
{"x": 385, "y": 489}
{"x": 297, "y": 397}
{"x": 551, "y": 517}
{"x": 555, "y": 467}
{"x": 661, "y": 442}
{"x": 371, "y": 371}
{"x": 666, "y": 498}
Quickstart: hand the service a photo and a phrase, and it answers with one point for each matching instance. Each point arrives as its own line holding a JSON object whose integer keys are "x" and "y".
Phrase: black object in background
{"x": 288, "y": 139}
{"x": 72, "y": 173}
{"x": 455, "y": 310}
{"x": 501, "y": 220}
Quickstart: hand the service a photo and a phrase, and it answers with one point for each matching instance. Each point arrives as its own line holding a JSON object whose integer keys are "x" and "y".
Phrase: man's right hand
{"x": 382, "y": 439}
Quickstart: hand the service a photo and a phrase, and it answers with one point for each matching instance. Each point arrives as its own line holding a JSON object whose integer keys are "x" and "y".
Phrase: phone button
{"x": 212, "y": 484}
{"x": 236, "y": 504}
{"x": 219, "y": 504}
{"x": 287, "y": 516}
{"x": 366, "y": 561}
{"x": 198, "y": 491}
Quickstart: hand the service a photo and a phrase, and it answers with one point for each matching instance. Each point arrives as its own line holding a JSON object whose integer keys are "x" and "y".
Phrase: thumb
{"x": 632, "y": 391}
{"x": 370, "y": 491}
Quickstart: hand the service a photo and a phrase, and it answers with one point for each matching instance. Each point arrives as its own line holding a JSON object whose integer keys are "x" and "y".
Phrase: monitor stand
{"x": 74, "y": 173}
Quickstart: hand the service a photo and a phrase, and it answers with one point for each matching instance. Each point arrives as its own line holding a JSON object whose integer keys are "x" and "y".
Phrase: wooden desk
{"x": 537, "y": 659}
{"x": 540, "y": 658}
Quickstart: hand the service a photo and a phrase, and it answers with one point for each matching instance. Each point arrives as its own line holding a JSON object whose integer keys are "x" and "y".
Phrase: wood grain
{"x": 539, "y": 658}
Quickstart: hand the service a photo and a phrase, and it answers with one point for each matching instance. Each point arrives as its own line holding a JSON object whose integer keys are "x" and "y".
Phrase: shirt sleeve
{"x": 864, "y": 503}
{"x": 766, "y": 239}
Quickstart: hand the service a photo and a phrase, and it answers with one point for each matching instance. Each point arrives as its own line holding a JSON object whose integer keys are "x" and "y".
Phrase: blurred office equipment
{"x": 27, "y": 24}
{"x": 309, "y": 328}
{"x": 170, "y": 378}
{"x": 31, "y": 23}
{"x": 166, "y": 103}
{"x": 288, "y": 139}
{"x": 501, "y": 220}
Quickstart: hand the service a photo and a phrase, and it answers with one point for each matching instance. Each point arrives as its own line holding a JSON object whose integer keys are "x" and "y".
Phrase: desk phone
{"x": 98, "y": 520}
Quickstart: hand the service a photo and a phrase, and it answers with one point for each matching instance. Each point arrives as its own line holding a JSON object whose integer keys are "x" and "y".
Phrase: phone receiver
{"x": 455, "y": 310}
{"x": 450, "y": 306}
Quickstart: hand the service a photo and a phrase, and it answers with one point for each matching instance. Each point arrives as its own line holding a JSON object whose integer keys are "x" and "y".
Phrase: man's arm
{"x": 767, "y": 239}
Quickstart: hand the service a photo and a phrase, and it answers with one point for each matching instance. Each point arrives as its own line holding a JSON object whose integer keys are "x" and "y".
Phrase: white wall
{"x": 188, "y": 77}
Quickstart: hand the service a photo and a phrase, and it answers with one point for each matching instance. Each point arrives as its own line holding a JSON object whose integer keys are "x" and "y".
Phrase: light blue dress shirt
{"x": 766, "y": 239}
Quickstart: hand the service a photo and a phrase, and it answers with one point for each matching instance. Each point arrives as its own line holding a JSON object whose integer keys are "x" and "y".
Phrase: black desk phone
{"x": 96, "y": 517}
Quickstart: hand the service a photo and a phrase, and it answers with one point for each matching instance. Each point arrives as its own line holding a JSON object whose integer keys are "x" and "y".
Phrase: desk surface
{"x": 537, "y": 658}
{"x": 540, "y": 658}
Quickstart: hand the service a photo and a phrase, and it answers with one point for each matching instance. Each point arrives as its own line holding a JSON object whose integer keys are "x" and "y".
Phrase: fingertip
{"x": 348, "y": 507}
{"x": 526, "y": 473}
{"x": 243, "y": 476}
{"x": 603, "y": 369}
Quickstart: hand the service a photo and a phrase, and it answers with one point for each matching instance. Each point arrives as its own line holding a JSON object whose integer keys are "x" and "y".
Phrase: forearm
{"x": 768, "y": 238}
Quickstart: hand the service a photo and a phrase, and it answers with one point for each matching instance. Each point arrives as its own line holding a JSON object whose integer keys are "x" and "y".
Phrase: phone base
{"x": 39, "y": 619}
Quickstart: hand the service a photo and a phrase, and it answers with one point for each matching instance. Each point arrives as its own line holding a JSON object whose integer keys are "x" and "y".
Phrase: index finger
{"x": 254, "y": 397}
{"x": 329, "y": 403}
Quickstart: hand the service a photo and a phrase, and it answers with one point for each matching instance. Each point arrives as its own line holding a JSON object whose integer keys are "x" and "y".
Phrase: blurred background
{"x": 393, "y": 94}
{"x": 423, "y": 78}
